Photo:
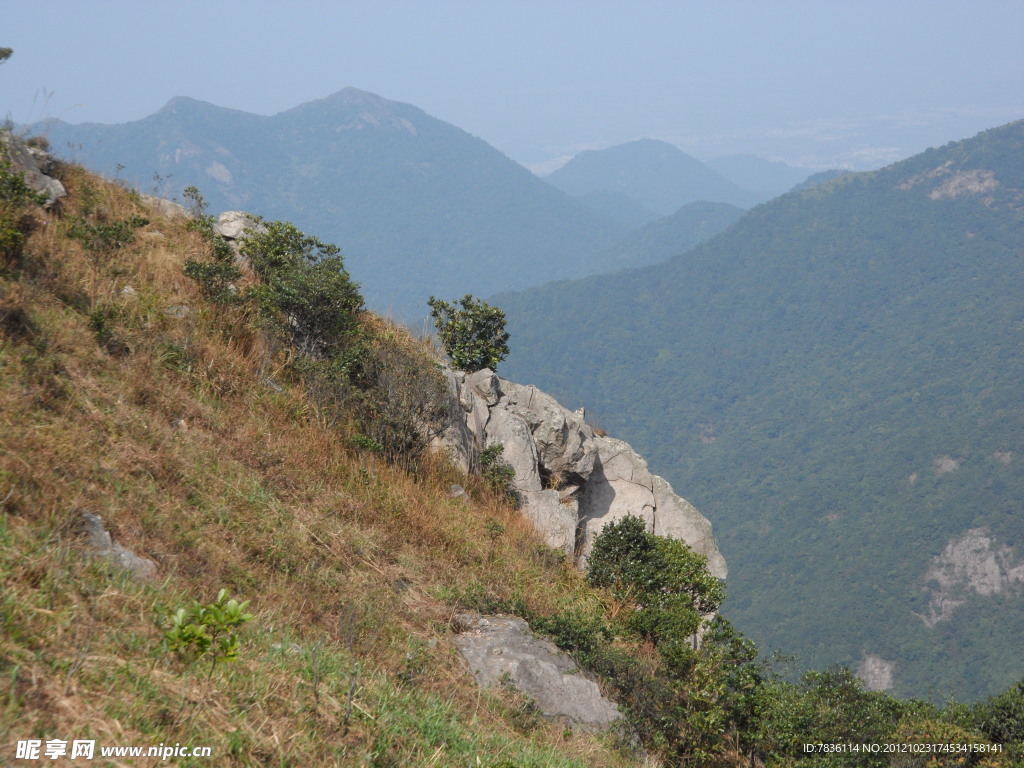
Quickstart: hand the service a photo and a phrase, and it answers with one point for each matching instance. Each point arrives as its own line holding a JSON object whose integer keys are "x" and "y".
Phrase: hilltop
{"x": 655, "y": 174}
{"x": 422, "y": 207}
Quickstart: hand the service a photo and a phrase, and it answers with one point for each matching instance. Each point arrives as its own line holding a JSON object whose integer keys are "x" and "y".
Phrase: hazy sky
{"x": 820, "y": 83}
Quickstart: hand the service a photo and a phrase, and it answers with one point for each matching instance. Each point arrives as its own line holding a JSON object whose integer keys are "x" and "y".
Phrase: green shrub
{"x": 379, "y": 380}
{"x": 104, "y": 238}
{"x": 403, "y": 402}
{"x": 207, "y": 630}
{"x": 496, "y": 472}
{"x": 216, "y": 279}
{"x": 471, "y": 331}
{"x": 667, "y": 582}
{"x": 1001, "y": 719}
{"x": 305, "y": 293}
{"x": 16, "y": 220}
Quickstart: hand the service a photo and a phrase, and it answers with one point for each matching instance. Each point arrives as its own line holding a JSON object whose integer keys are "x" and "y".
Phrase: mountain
{"x": 220, "y": 525}
{"x": 418, "y": 206}
{"x": 618, "y": 207}
{"x": 655, "y": 174}
{"x": 767, "y": 178}
{"x": 836, "y": 383}
{"x": 668, "y": 236}
{"x": 225, "y": 551}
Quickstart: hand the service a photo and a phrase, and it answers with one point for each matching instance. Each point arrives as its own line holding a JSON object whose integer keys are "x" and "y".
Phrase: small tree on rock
{"x": 471, "y": 331}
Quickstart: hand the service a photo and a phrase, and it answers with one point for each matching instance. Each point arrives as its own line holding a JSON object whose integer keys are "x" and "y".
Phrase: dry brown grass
{"x": 351, "y": 564}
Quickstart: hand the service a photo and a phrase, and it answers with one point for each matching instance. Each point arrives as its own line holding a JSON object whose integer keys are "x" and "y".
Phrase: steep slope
{"x": 669, "y": 236}
{"x": 202, "y": 544}
{"x": 418, "y": 206}
{"x": 835, "y": 381}
{"x": 617, "y": 206}
{"x": 156, "y": 448}
{"x": 656, "y": 174}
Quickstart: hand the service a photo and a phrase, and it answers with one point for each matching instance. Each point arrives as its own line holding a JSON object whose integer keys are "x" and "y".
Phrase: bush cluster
{"x": 666, "y": 583}
{"x": 304, "y": 292}
{"x": 16, "y": 202}
{"x": 360, "y": 373}
{"x": 102, "y": 238}
{"x": 716, "y": 702}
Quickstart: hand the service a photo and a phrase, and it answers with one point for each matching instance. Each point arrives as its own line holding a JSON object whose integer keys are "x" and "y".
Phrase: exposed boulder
{"x": 102, "y": 545}
{"x": 232, "y": 225}
{"x": 165, "y": 208}
{"x": 571, "y": 482}
{"x": 973, "y": 564}
{"x": 502, "y": 649}
{"x": 35, "y": 163}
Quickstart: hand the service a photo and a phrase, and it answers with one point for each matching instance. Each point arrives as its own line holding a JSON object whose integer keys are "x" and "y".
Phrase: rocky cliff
{"x": 571, "y": 481}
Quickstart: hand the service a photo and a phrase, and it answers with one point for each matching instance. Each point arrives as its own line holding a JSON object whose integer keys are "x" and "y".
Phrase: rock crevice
{"x": 570, "y": 480}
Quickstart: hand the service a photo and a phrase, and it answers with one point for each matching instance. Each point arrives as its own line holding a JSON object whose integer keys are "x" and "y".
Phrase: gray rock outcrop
{"x": 168, "y": 209}
{"x": 571, "y": 481}
{"x": 232, "y": 225}
{"x": 35, "y": 164}
{"x": 502, "y": 649}
{"x": 973, "y": 564}
{"x": 103, "y": 546}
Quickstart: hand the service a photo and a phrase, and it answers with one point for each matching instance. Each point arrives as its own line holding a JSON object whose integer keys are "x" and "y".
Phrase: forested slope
{"x": 835, "y": 381}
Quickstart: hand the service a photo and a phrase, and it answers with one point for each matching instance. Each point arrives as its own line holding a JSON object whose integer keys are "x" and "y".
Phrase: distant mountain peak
{"x": 351, "y": 95}
{"x": 180, "y": 104}
{"x": 358, "y": 109}
{"x": 185, "y": 106}
{"x": 654, "y": 173}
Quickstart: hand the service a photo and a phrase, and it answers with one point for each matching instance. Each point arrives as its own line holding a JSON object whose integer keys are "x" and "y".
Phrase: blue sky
{"x": 818, "y": 84}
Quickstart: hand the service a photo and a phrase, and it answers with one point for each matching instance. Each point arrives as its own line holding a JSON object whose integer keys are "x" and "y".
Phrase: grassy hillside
{"x": 170, "y": 424}
{"x": 834, "y": 381}
{"x": 221, "y": 433}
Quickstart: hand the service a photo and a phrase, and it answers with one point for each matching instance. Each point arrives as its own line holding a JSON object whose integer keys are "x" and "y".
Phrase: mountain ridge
{"x": 818, "y": 364}
{"x": 656, "y": 174}
{"x": 177, "y": 430}
{"x": 418, "y": 206}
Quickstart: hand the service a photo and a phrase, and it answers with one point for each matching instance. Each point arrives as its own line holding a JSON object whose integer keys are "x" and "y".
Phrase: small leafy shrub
{"x": 366, "y": 443}
{"x": 101, "y": 238}
{"x": 101, "y": 326}
{"x": 16, "y": 219}
{"x": 577, "y": 632}
{"x": 207, "y": 630}
{"x": 496, "y": 472}
{"x": 471, "y": 331}
{"x": 216, "y": 278}
{"x": 403, "y": 402}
